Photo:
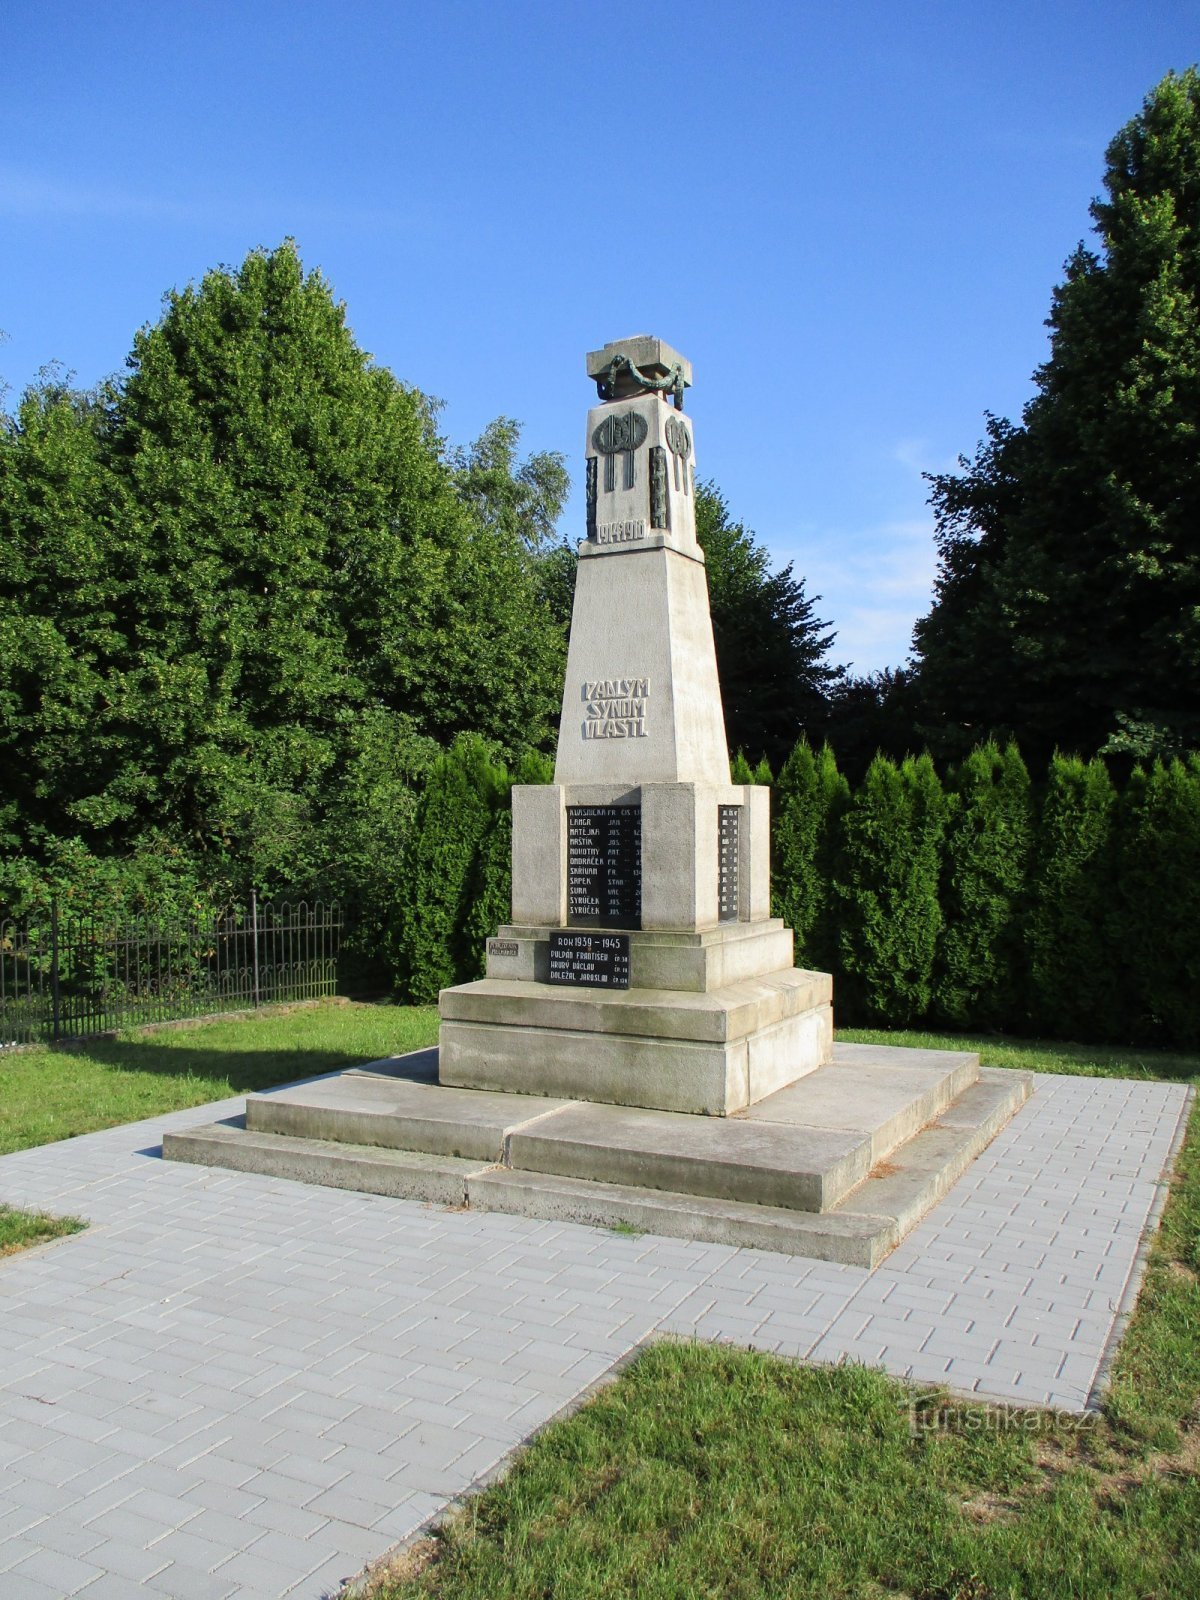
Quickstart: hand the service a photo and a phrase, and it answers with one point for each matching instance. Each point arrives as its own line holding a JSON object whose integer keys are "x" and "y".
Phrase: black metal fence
{"x": 64, "y": 976}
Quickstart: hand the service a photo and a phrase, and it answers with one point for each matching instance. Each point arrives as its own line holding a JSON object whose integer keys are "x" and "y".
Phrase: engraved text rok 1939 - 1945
{"x": 728, "y": 831}
{"x": 600, "y": 960}
{"x": 604, "y": 866}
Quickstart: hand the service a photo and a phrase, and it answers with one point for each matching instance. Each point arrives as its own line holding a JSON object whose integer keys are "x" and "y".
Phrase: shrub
{"x": 1074, "y": 991}
{"x": 466, "y": 786}
{"x": 809, "y": 801}
{"x": 989, "y": 834}
{"x": 1156, "y": 927}
{"x": 887, "y": 891}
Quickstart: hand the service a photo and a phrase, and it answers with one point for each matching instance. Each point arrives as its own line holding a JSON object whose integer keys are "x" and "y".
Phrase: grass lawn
{"x": 55, "y": 1094}
{"x": 20, "y": 1229}
{"x": 711, "y": 1472}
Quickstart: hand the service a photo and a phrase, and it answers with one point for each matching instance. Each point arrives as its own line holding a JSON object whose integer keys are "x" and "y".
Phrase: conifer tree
{"x": 440, "y": 872}
{"x": 1076, "y": 990}
{"x": 1157, "y": 926}
{"x": 772, "y": 650}
{"x": 1067, "y": 608}
{"x": 989, "y": 834}
{"x": 887, "y": 892}
{"x": 808, "y": 802}
{"x": 491, "y": 888}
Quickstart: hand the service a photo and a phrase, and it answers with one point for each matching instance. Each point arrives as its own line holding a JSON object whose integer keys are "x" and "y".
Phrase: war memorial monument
{"x": 642, "y": 1050}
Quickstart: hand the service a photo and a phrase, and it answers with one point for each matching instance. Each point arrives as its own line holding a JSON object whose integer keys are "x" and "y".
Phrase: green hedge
{"x": 980, "y": 900}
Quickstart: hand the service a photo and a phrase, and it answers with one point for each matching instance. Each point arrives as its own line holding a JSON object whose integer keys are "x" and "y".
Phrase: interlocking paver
{"x": 292, "y": 1379}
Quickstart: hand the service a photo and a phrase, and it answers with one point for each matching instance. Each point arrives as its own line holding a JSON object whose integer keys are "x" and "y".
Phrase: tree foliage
{"x": 810, "y": 798}
{"x": 1067, "y": 607}
{"x": 440, "y": 874}
{"x": 989, "y": 833}
{"x": 771, "y": 649}
{"x": 889, "y": 916}
{"x": 1075, "y": 992}
{"x": 1157, "y": 930}
{"x": 246, "y": 592}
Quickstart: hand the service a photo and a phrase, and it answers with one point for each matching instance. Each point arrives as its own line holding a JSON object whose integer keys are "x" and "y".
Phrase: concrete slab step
{"x": 853, "y": 1240}
{"x": 859, "y": 1228}
{"x": 724, "y": 1158}
{"x": 398, "y": 1114}
{"x": 402, "y": 1174}
{"x": 887, "y": 1093}
{"x": 902, "y": 1189}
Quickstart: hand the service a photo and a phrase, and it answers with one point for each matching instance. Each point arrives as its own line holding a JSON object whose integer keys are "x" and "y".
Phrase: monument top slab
{"x": 640, "y": 364}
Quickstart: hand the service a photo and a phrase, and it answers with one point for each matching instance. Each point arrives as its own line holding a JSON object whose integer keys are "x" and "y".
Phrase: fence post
{"x": 254, "y": 940}
{"x": 55, "y": 1000}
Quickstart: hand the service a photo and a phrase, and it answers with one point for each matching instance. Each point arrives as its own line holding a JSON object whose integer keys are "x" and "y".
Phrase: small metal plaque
{"x": 729, "y": 834}
{"x": 503, "y": 947}
{"x": 604, "y": 866}
{"x": 600, "y": 960}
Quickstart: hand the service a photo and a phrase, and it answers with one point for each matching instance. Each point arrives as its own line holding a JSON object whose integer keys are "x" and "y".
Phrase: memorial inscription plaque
{"x": 604, "y": 866}
{"x": 598, "y": 959}
{"x": 729, "y": 820}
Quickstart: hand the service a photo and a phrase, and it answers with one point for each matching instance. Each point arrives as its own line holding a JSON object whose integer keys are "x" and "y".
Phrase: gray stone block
{"x": 409, "y": 1175}
{"x": 726, "y": 1159}
{"x": 855, "y": 1240}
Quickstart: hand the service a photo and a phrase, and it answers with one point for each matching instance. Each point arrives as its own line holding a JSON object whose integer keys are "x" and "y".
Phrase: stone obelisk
{"x": 642, "y": 965}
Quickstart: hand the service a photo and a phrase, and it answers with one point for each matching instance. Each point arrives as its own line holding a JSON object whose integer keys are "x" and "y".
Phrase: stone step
{"x": 887, "y": 1092}
{"x": 851, "y": 1240}
{"x": 369, "y": 1109}
{"x": 860, "y": 1231}
{"x": 859, "y": 1227}
{"x": 710, "y": 958}
{"x": 401, "y": 1174}
{"x": 917, "y": 1175}
{"x": 723, "y": 1158}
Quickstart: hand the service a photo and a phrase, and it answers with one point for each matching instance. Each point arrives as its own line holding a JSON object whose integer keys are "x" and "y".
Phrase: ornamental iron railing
{"x": 65, "y": 976}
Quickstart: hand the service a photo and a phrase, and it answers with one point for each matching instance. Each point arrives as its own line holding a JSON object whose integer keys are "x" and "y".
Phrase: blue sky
{"x": 849, "y": 215}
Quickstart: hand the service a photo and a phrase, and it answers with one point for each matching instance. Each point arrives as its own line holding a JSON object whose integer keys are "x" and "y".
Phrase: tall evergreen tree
{"x": 809, "y": 800}
{"x": 772, "y": 651}
{"x": 1156, "y": 924}
{"x": 1067, "y": 608}
{"x": 440, "y": 874}
{"x": 989, "y": 834}
{"x": 1075, "y": 986}
{"x": 888, "y": 913}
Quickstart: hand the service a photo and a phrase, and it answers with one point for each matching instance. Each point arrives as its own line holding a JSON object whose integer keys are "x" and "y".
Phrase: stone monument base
{"x": 838, "y": 1166}
{"x": 712, "y": 1022}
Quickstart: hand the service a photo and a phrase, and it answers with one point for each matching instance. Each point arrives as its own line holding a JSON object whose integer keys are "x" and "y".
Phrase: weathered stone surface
{"x": 397, "y": 1114}
{"x": 699, "y": 961}
{"x": 641, "y": 1153}
{"x": 641, "y": 701}
{"x": 802, "y": 1169}
{"x": 707, "y": 1053}
{"x": 718, "y": 1016}
{"x": 851, "y": 1240}
{"x": 652, "y": 355}
{"x": 403, "y": 1174}
{"x": 873, "y": 1088}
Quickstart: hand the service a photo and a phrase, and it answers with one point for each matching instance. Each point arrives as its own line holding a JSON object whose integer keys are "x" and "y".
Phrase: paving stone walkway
{"x": 238, "y": 1386}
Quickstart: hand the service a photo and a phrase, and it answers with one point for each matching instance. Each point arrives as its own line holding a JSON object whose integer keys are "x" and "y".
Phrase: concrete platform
{"x": 838, "y": 1166}
{"x": 707, "y": 1053}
